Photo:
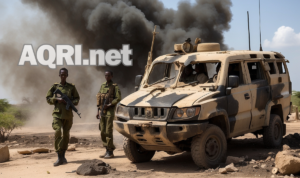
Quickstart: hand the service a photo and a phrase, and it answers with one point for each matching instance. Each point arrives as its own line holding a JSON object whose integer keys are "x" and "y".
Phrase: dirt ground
{"x": 162, "y": 165}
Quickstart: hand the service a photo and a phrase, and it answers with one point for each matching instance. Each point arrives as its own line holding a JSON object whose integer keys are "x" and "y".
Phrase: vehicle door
{"x": 260, "y": 92}
{"x": 239, "y": 101}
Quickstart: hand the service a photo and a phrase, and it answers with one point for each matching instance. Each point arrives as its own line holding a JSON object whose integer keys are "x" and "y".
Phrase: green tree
{"x": 11, "y": 117}
{"x": 4, "y": 105}
{"x": 8, "y": 123}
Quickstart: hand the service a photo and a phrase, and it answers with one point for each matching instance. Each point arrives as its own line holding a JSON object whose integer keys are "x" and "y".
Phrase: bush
{"x": 11, "y": 117}
{"x": 8, "y": 123}
{"x": 4, "y": 105}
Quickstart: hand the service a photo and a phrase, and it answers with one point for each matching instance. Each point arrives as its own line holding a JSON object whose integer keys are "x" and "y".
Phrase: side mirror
{"x": 138, "y": 80}
{"x": 233, "y": 82}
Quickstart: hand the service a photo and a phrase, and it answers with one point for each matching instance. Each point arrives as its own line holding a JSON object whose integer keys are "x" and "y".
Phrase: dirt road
{"x": 89, "y": 147}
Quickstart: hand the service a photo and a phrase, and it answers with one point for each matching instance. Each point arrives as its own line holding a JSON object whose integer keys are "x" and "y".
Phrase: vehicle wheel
{"x": 209, "y": 149}
{"x": 135, "y": 152}
{"x": 274, "y": 132}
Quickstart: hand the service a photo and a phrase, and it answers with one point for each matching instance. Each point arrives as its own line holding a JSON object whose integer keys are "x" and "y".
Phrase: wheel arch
{"x": 220, "y": 119}
{"x": 273, "y": 108}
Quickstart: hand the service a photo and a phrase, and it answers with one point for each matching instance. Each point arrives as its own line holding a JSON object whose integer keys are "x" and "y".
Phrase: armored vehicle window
{"x": 255, "y": 71}
{"x": 236, "y": 69}
{"x": 281, "y": 67}
{"x": 272, "y": 68}
{"x": 164, "y": 74}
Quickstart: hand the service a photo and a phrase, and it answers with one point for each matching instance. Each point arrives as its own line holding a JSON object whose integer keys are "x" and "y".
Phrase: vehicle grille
{"x": 150, "y": 113}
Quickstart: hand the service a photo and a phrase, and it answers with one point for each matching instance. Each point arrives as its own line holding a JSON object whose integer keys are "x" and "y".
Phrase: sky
{"x": 280, "y": 28}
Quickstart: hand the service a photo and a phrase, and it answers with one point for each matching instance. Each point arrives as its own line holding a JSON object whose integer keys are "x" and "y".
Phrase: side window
{"x": 255, "y": 71}
{"x": 236, "y": 69}
{"x": 272, "y": 68}
{"x": 281, "y": 68}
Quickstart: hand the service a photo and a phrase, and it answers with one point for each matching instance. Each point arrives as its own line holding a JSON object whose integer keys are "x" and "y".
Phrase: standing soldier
{"x": 62, "y": 118}
{"x": 107, "y": 98}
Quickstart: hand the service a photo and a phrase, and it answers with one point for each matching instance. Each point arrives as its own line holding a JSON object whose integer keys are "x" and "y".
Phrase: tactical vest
{"x": 106, "y": 97}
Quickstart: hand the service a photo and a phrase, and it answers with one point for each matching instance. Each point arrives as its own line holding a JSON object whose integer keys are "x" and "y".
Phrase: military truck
{"x": 200, "y": 97}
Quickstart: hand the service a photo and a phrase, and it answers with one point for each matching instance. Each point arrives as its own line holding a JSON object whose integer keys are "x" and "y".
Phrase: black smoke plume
{"x": 102, "y": 24}
{"x": 108, "y": 24}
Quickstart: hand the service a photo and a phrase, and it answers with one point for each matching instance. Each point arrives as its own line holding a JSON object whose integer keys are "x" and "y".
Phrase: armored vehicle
{"x": 200, "y": 97}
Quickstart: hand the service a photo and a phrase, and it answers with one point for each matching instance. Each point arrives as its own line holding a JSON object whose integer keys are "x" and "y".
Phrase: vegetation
{"x": 11, "y": 117}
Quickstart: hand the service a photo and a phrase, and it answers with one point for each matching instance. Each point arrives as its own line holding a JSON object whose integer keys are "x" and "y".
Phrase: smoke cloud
{"x": 104, "y": 24}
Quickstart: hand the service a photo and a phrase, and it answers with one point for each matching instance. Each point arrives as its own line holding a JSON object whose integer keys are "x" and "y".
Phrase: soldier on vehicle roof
{"x": 62, "y": 118}
{"x": 107, "y": 98}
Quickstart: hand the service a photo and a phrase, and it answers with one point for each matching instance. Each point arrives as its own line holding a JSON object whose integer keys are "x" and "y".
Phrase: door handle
{"x": 247, "y": 96}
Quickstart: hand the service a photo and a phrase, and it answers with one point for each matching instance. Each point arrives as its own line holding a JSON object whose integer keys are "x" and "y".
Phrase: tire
{"x": 214, "y": 138}
{"x": 274, "y": 132}
{"x": 135, "y": 153}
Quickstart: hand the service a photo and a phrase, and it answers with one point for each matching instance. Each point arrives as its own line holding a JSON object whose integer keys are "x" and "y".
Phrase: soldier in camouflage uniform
{"x": 62, "y": 118}
{"x": 108, "y": 96}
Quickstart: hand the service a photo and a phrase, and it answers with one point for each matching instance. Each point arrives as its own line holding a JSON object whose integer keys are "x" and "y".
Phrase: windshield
{"x": 200, "y": 73}
{"x": 163, "y": 74}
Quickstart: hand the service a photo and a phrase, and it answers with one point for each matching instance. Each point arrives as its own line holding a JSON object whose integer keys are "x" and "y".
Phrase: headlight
{"x": 123, "y": 111}
{"x": 190, "y": 112}
{"x": 179, "y": 112}
{"x": 186, "y": 113}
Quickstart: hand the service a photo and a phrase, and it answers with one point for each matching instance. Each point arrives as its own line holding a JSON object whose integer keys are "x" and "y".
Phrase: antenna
{"x": 260, "y": 29}
{"x": 249, "y": 31}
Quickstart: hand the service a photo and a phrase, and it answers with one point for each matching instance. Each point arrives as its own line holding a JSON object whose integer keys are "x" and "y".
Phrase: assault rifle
{"x": 67, "y": 100}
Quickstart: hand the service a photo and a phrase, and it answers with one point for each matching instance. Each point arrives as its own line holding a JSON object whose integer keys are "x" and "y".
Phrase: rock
{"x": 272, "y": 176}
{"x": 256, "y": 166}
{"x": 252, "y": 161}
{"x": 292, "y": 175}
{"x": 232, "y": 159}
{"x": 222, "y": 171}
{"x": 272, "y": 159}
{"x": 72, "y": 147}
{"x": 231, "y": 168}
{"x": 13, "y": 142}
{"x": 268, "y": 158}
{"x": 94, "y": 167}
{"x": 271, "y": 153}
{"x": 275, "y": 170}
{"x": 25, "y": 152}
{"x": 4, "y": 154}
{"x": 285, "y": 147}
{"x": 40, "y": 150}
{"x": 73, "y": 140}
{"x": 297, "y": 136}
{"x": 264, "y": 166}
{"x": 287, "y": 162}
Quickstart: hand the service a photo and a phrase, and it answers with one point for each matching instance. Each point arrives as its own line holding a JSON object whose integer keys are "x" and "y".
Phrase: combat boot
{"x": 102, "y": 156}
{"x": 64, "y": 160}
{"x": 59, "y": 160}
{"x": 110, "y": 154}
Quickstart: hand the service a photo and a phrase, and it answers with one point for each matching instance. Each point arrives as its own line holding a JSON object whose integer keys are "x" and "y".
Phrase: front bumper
{"x": 155, "y": 135}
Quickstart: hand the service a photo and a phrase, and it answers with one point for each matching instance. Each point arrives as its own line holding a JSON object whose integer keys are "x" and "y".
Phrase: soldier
{"x": 107, "y": 98}
{"x": 188, "y": 75}
{"x": 201, "y": 74}
{"x": 62, "y": 118}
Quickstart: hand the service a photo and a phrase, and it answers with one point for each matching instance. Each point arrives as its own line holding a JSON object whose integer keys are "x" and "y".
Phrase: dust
{"x": 98, "y": 24}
